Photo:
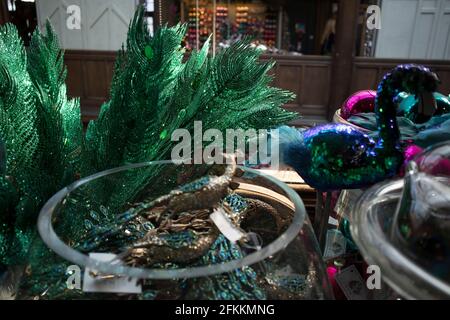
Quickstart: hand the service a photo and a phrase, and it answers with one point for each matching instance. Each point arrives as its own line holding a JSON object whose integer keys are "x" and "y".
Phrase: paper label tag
{"x": 346, "y": 201}
{"x": 108, "y": 284}
{"x": 333, "y": 221}
{"x": 335, "y": 244}
{"x": 225, "y": 226}
{"x": 352, "y": 284}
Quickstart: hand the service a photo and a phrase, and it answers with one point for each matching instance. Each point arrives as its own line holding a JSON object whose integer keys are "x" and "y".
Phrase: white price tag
{"x": 225, "y": 226}
{"x": 335, "y": 244}
{"x": 108, "y": 284}
{"x": 352, "y": 284}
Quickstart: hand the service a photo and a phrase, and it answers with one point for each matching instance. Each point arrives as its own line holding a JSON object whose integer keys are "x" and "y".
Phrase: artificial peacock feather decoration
{"x": 154, "y": 91}
{"x": 42, "y": 135}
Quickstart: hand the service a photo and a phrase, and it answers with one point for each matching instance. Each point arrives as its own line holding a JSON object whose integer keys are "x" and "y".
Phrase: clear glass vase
{"x": 403, "y": 226}
{"x": 279, "y": 258}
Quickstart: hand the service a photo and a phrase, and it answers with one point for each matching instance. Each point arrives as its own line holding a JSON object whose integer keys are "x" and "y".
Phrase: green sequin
{"x": 149, "y": 52}
{"x": 163, "y": 134}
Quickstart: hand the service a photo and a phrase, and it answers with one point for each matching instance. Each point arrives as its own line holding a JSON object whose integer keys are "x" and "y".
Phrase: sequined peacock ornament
{"x": 338, "y": 156}
{"x": 154, "y": 91}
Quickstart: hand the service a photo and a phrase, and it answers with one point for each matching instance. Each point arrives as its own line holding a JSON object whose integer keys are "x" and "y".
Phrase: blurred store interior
{"x": 324, "y": 49}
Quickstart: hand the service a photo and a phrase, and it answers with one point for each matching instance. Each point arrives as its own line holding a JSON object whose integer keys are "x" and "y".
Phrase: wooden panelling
{"x": 4, "y": 16}
{"x": 363, "y": 78}
{"x": 315, "y": 88}
{"x": 368, "y": 72}
{"x": 289, "y": 78}
{"x": 89, "y": 77}
{"x": 75, "y": 77}
{"x": 343, "y": 53}
{"x": 309, "y": 77}
{"x": 97, "y": 82}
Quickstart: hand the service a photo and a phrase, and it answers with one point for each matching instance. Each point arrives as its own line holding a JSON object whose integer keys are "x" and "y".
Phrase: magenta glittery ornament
{"x": 413, "y": 152}
{"x": 437, "y": 164}
{"x": 409, "y": 153}
{"x": 359, "y": 102}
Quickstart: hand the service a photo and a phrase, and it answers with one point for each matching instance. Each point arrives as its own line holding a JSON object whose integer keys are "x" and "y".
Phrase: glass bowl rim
{"x": 51, "y": 239}
{"x": 371, "y": 240}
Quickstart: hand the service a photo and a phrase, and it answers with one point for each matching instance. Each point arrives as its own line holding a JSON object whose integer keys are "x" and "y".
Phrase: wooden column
{"x": 341, "y": 72}
{"x": 4, "y": 16}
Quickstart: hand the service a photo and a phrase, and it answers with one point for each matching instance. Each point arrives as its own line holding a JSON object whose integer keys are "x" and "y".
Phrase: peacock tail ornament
{"x": 339, "y": 156}
{"x": 154, "y": 91}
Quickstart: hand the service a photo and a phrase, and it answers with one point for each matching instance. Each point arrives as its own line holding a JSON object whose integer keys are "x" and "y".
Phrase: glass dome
{"x": 403, "y": 226}
{"x": 120, "y": 212}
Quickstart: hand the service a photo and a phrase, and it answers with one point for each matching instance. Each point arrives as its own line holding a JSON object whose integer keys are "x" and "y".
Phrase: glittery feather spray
{"x": 42, "y": 133}
{"x": 230, "y": 90}
{"x": 154, "y": 91}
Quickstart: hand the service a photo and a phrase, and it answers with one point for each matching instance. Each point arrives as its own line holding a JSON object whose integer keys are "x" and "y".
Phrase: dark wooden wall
{"x": 367, "y": 72}
{"x": 4, "y": 16}
{"x": 89, "y": 77}
{"x": 309, "y": 77}
{"x": 343, "y": 52}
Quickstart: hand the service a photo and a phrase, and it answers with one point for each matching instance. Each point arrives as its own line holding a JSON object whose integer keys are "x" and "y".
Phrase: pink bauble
{"x": 359, "y": 102}
{"x": 436, "y": 166}
{"x": 409, "y": 153}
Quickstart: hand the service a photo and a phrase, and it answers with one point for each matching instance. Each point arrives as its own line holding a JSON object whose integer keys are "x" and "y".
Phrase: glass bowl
{"x": 403, "y": 227}
{"x": 280, "y": 260}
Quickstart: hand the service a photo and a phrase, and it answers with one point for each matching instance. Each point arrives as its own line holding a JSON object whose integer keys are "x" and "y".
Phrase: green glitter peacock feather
{"x": 154, "y": 91}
